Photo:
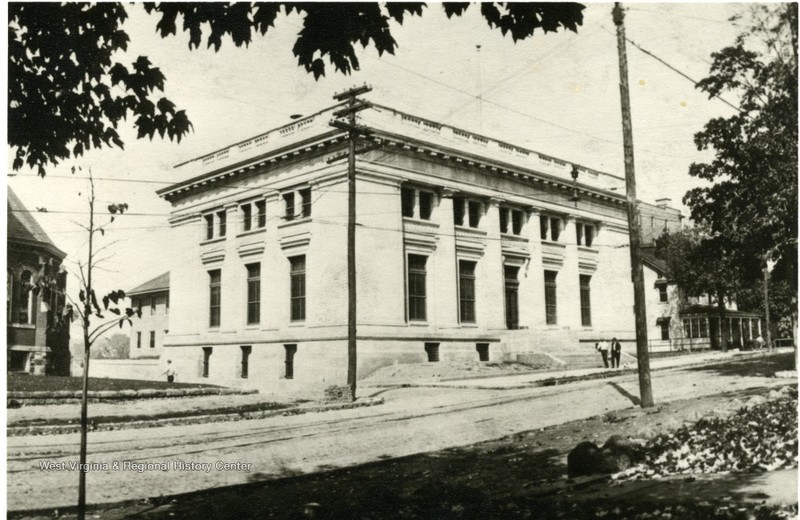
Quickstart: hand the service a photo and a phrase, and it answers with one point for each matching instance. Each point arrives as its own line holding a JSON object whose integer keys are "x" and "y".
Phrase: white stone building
{"x": 467, "y": 248}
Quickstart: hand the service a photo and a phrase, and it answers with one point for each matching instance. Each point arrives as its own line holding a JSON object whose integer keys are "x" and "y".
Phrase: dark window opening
{"x": 206, "y": 360}
{"x": 288, "y": 199}
{"x": 298, "y": 287}
{"x": 215, "y": 303}
{"x": 550, "y": 297}
{"x": 425, "y": 205}
{"x": 305, "y": 200}
{"x": 543, "y": 227}
{"x": 589, "y": 232}
{"x": 261, "y": 210}
{"x": 432, "y": 349}
{"x": 512, "y": 296}
{"x": 152, "y": 339}
{"x": 579, "y": 233}
{"x": 138, "y": 340}
{"x": 516, "y": 222}
{"x": 407, "y": 202}
{"x": 458, "y": 210}
{"x": 662, "y": 292}
{"x": 664, "y": 325}
{"x": 253, "y": 293}
{"x": 222, "y": 217}
{"x": 586, "y": 302}
{"x": 291, "y": 350}
{"x": 209, "y": 226}
{"x": 246, "y": 361}
{"x": 416, "y": 287}
{"x": 466, "y": 278}
{"x": 247, "y": 222}
{"x": 555, "y": 229}
{"x": 503, "y": 220}
{"x": 474, "y": 214}
{"x": 483, "y": 351}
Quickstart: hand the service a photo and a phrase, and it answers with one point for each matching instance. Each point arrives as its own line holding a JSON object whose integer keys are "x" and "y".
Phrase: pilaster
{"x": 531, "y": 277}
{"x": 568, "y": 280}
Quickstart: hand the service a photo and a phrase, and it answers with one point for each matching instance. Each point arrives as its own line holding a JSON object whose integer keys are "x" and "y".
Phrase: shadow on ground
{"x": 766, "y": 368}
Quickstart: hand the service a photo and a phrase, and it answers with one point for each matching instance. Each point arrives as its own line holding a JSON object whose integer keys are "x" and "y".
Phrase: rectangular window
{"x": 215, "y": 300}
{"x": 703, "y": 328}
{"x": 662, "y": 292}
{"x": 512, "y": 296}
{"x": 305, "y": 201}
{"x": 586, "y": 300}
{"x": 151, "y": 303}
{"x": 166, "y": 304}
{"x": 138, "y": 340}
{"x": 298, "y": 287}
{"x": 466, "y": 295}
{"x": 458, "y": 210}
{"x": 425, "y": 205}
{"x": 555, "y": 229}
{"x": 544, "y": 225}
{"x": 474, "y": 214}
{"x": 209, "y": 226}
{"x": 407, "y": 202}
{"x": 261, "y": 213}
{"x": 152, "y": 339}
{"x": 579, "y": 233}
{"x": 253, "y": 293}
{"x": 223, "y": 218}
{"x": 290, "y": 350}
{"x": 588, "y": 231}
{"x": 161, "y": 304}
{"x": 504, "y": 220}
{"x": 483, "y": 351}
{"x": 288, "y": 200}
{"x": 687, "y": 328}
{"x": 246, "y": 361}
{"x": 206, "y": 360}
{"x": 416, "y": 287}
{"x": 664, "y": 325}
{"x": 247, "y": 217}
{"x": 550, "y": 297}
{"x": 516, "y": 222}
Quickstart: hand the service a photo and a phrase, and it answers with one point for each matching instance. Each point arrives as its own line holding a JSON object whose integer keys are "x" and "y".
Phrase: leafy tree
{"x": 703, "y": 263}
{"x": 117, "y": 346}
{"x": 752, "y": 204}
{"x": 68, "y": 91}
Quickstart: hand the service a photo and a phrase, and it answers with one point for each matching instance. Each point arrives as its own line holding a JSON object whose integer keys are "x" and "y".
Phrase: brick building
{"x": 37, "y": 341}
{"x": 467, "y": 248}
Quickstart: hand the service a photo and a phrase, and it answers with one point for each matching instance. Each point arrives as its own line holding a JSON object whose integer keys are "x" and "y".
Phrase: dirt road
{"x": 412, "y": 421}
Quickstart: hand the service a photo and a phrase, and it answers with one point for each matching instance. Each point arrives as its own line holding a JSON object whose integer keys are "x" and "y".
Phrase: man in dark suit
{"x": 616, "y": 353}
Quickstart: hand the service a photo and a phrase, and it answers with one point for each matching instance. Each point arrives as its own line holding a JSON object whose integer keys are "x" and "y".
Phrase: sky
{"x": 556, "y": 93}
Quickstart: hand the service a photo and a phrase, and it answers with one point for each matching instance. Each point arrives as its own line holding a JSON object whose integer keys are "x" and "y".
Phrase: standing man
{"x": 616, "y": 353}
{"x": 602, "y": 347}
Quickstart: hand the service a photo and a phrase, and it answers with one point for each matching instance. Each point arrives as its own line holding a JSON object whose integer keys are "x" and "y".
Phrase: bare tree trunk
{"x": 722, "y": 325}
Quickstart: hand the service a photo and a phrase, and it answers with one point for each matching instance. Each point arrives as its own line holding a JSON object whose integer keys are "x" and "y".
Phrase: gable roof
{"x": 23, "y": 228}
{"x": 158, "y": 284}
{"x": 650, "y": 260}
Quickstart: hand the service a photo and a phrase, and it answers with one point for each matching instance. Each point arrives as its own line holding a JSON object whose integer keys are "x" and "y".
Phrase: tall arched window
{"x": 25, "y": 298}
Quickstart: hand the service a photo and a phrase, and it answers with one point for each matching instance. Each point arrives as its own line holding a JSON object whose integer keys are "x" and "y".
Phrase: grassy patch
{"x": 28, "y": 383}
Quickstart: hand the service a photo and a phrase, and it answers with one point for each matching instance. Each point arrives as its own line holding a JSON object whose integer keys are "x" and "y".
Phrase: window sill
{"x": 294, "y": 222}
{"x": 416, "y": 323}
{"x": 213, "y": 329}
{"x": 212, "y": 241}
{"x": 22, "y": 325}
{"x": 469, "y": 325}
{"x": 251, "y": 232}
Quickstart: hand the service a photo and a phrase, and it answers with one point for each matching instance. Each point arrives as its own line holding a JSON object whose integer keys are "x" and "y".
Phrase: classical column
{"x": 568, "y": 280}
{"x": 491, "y": 283}
{"x": 443, "y": 268}
{"x": 531, "y": 276}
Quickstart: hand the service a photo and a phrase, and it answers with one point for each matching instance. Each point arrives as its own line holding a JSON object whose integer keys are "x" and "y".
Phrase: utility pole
{"x": 637, "y": 274}
{"x": 354, "y": 105}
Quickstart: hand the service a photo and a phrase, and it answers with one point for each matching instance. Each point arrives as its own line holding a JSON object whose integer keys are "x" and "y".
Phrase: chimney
{"x": 663, "y": 203}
